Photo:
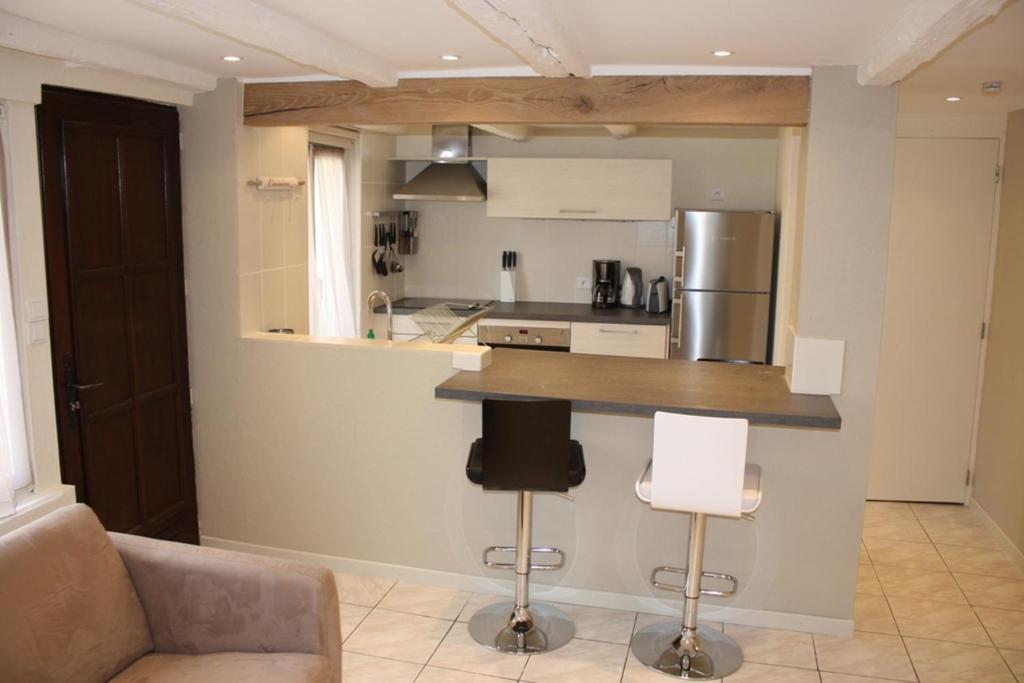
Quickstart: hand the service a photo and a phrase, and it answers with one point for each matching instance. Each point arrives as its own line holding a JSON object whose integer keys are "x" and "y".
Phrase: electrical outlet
{"x": 582, "y": 282}
{"x": 717, "y": 195}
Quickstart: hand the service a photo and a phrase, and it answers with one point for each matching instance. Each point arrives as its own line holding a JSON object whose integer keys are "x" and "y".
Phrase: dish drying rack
{"x": 441, "y": 326}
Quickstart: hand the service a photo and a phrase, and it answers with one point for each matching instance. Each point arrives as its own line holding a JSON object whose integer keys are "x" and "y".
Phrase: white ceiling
{"x": 615, "y": 36}
{"x": 993, "y": 51}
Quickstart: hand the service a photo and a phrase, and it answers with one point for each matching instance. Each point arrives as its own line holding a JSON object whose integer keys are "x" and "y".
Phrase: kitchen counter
{"x": 642, "y": 386}
{"x": 540, "y": 310}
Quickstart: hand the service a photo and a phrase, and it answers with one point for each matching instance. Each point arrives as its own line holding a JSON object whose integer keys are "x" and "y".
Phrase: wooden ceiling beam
{"x": 267, "y": 29}
{"x": 528, "y": 28}
{"x": 519, "y": 133}
{"x": 926, "y": 30}
{"x": 602, "y": 100}
{"x": 29, "y": 36}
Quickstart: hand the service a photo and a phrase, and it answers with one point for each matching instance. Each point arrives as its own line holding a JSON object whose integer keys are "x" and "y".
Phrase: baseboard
{"x": 577, "y": 596}
{"x": 1016, "y": 556}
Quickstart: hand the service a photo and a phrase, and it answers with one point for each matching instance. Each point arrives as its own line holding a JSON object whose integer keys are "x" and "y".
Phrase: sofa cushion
{"x": 69, "y": 610}
{"x": 228, "y": 667}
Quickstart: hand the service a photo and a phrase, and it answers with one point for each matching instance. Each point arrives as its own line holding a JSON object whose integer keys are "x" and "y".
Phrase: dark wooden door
{"x": 112, "y": 220}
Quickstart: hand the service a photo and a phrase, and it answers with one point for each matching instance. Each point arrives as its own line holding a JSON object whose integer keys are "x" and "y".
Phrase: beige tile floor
{"x": 937, "y": 601}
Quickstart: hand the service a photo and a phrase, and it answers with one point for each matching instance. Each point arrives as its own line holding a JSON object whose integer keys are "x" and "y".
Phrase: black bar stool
{"x": 525, "y": 448}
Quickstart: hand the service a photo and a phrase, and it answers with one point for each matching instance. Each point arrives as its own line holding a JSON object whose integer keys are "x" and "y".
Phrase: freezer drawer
{"x": 720, "y": 326}
{"x": 726, "y": 250}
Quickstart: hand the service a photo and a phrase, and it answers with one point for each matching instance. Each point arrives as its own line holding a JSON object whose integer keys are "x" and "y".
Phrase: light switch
{"x": 38, "y": 332}
{"x": 37, "y": 310}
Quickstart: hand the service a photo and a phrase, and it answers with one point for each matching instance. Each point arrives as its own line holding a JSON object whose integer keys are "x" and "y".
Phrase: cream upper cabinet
{"x": 587, "y": 189}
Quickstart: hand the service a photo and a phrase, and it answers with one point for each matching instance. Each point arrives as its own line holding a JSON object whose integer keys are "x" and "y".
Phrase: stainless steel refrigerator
{"x": 722, "y": 289}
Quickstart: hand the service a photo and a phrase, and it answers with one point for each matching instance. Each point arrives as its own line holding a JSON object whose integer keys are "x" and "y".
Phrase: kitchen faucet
{"x": 375, "y": 294}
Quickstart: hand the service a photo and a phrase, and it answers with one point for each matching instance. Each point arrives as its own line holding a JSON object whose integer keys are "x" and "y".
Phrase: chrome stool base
{"x": 526, "y": 630}
{"x": 710, "y": 655}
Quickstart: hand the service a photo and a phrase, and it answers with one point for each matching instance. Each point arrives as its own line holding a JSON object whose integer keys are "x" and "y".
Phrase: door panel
{"x": 112, "y": 218}
{"x": 727, "y": 250}
{"x": 939, "y": 250}
{"x": 722, "y": 326}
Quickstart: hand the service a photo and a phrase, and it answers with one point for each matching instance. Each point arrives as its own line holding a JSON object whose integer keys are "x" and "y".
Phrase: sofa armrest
{"x": 202, "y": 600}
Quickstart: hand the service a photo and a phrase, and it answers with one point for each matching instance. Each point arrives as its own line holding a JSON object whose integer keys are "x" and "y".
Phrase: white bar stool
{"x": 699, "y": 466}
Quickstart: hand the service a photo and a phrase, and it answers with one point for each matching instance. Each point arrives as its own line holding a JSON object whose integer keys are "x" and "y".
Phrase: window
{"x": 331, "y": 311}
{"x": 15, "y": 468}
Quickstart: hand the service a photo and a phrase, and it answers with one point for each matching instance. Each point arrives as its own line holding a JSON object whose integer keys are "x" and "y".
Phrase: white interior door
{"x": 939, "y": 251}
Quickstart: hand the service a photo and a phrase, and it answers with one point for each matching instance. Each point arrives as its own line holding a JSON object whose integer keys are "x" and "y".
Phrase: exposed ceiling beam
{"x": 267, "y": 29}
{"x": 386, "y": 129}
{"x": 926, "y": 30}
{"x": 621, "y": 132}
{"x": 26, "y": 35}
{"x": 598, "y": 101}
{"x": 519, "y": 133}
{"x": 528, "y": 28}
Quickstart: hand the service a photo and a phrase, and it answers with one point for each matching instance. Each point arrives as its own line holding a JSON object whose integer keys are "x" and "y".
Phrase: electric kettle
{"x": 632, "y": 295}
{"x": 657, "y": 296}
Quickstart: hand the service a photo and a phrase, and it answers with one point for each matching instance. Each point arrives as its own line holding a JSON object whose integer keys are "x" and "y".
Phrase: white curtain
{"x": 15, "y": 468}
{"x": 332, "y": 311}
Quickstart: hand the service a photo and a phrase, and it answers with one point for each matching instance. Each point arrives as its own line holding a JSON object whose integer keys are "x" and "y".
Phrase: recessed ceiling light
{"x": 953, "y": 98}
{"x": 722, "y": 53}
{"x": 450, "y": 58}
{"x": 992, "y": 87}
{"x": 231, "y": 58}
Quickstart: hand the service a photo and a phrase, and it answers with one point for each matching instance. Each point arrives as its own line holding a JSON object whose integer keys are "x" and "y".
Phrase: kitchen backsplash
{"x": 460, "y": 252}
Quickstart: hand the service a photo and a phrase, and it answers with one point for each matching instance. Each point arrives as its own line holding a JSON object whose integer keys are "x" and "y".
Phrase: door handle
{"x": 71, "y": 389}
{"x": 80, "y": 387}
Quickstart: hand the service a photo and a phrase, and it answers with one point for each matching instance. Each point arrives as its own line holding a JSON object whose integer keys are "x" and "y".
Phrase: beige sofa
{"x": 79, "y": 604}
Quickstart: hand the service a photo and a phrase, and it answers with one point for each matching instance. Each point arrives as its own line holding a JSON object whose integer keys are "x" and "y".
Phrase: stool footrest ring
{"x": 682, "y": 571}
{"x": 543, "y": 550}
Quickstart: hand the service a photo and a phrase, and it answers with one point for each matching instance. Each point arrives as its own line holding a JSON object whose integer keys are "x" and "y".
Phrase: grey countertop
{"x": 643, "y": 386}
{"x": 540, "y": 310}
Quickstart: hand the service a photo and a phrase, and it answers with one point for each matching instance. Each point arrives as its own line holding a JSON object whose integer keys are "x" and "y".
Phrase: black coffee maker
{"x": 605, "y": 292}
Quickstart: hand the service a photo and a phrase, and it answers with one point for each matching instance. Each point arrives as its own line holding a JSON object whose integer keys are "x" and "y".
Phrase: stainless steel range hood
{"x": 443, "y": 180}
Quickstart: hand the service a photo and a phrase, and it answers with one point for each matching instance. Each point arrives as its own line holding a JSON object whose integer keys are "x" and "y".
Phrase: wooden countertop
{"x": 642, "y": 386}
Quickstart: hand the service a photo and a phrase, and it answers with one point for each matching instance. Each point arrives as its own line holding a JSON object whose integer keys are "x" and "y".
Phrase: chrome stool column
{"x": 525, "y": 448}
{"x": 678, "y": 479}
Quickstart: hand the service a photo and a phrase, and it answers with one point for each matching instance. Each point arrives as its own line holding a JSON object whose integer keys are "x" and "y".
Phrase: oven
{"x": 539, "y": 335}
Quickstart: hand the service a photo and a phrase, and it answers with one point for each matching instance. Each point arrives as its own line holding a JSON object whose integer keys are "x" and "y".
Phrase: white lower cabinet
{"x": 639, "y": 341}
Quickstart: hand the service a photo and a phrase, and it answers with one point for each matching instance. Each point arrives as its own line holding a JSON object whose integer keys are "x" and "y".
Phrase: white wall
{"x": 344, "y": 451}
{"x": 460, "y": 248}
{"x": 380, "y": 179}
{"x": 23, "y": 75}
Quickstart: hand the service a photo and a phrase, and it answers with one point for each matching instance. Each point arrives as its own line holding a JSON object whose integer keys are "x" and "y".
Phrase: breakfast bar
{"x": 643, "y": 386}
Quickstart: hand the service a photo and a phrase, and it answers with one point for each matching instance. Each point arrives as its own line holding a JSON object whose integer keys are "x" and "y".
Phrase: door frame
{"x": 999, "y": 135}
{"x": 56, "y": 250}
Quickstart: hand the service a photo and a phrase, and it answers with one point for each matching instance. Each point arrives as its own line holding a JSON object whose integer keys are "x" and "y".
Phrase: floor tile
{"x": 887, "y": 510}
{"x": 903, "y": 554}
{"x": 578, "y": 661}
{"x": 459, "y": 651}
{"x": 752, "y": 672}
{"x": 432, "y": 674}
{"x": 351, "y": 616}
{"x": 896, "y": 529}
{"x": 963, "y": 513}
{"x": 867, "y": 580}
{"x": 1005, "y": 626}
{"x": 395, "y": 635}
{"x": 361, "y": 590}
{"x": 428, "y": 601}
{"x": 478, "y": 601}
{"x": 871, "y": 613}
{"x": 1015, "y": 660}
{"x": 845, "y": 678}
{"x": 596, "y": 623}
{"x": 992, "y": 591}
{"x": 945, "y": 532}
{"x": 865, "y": 654}
{"x": 938, "y": 621}
{"x": 770, "y": 646}
{"x": 901, "y": 582}
{"x": 357, "y": 668}
{"x": 940, "y": 662}
{"x": 979, "y": 561}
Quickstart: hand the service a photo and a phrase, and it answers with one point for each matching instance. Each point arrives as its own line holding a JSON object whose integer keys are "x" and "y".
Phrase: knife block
{"x": 508, "y": 286}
